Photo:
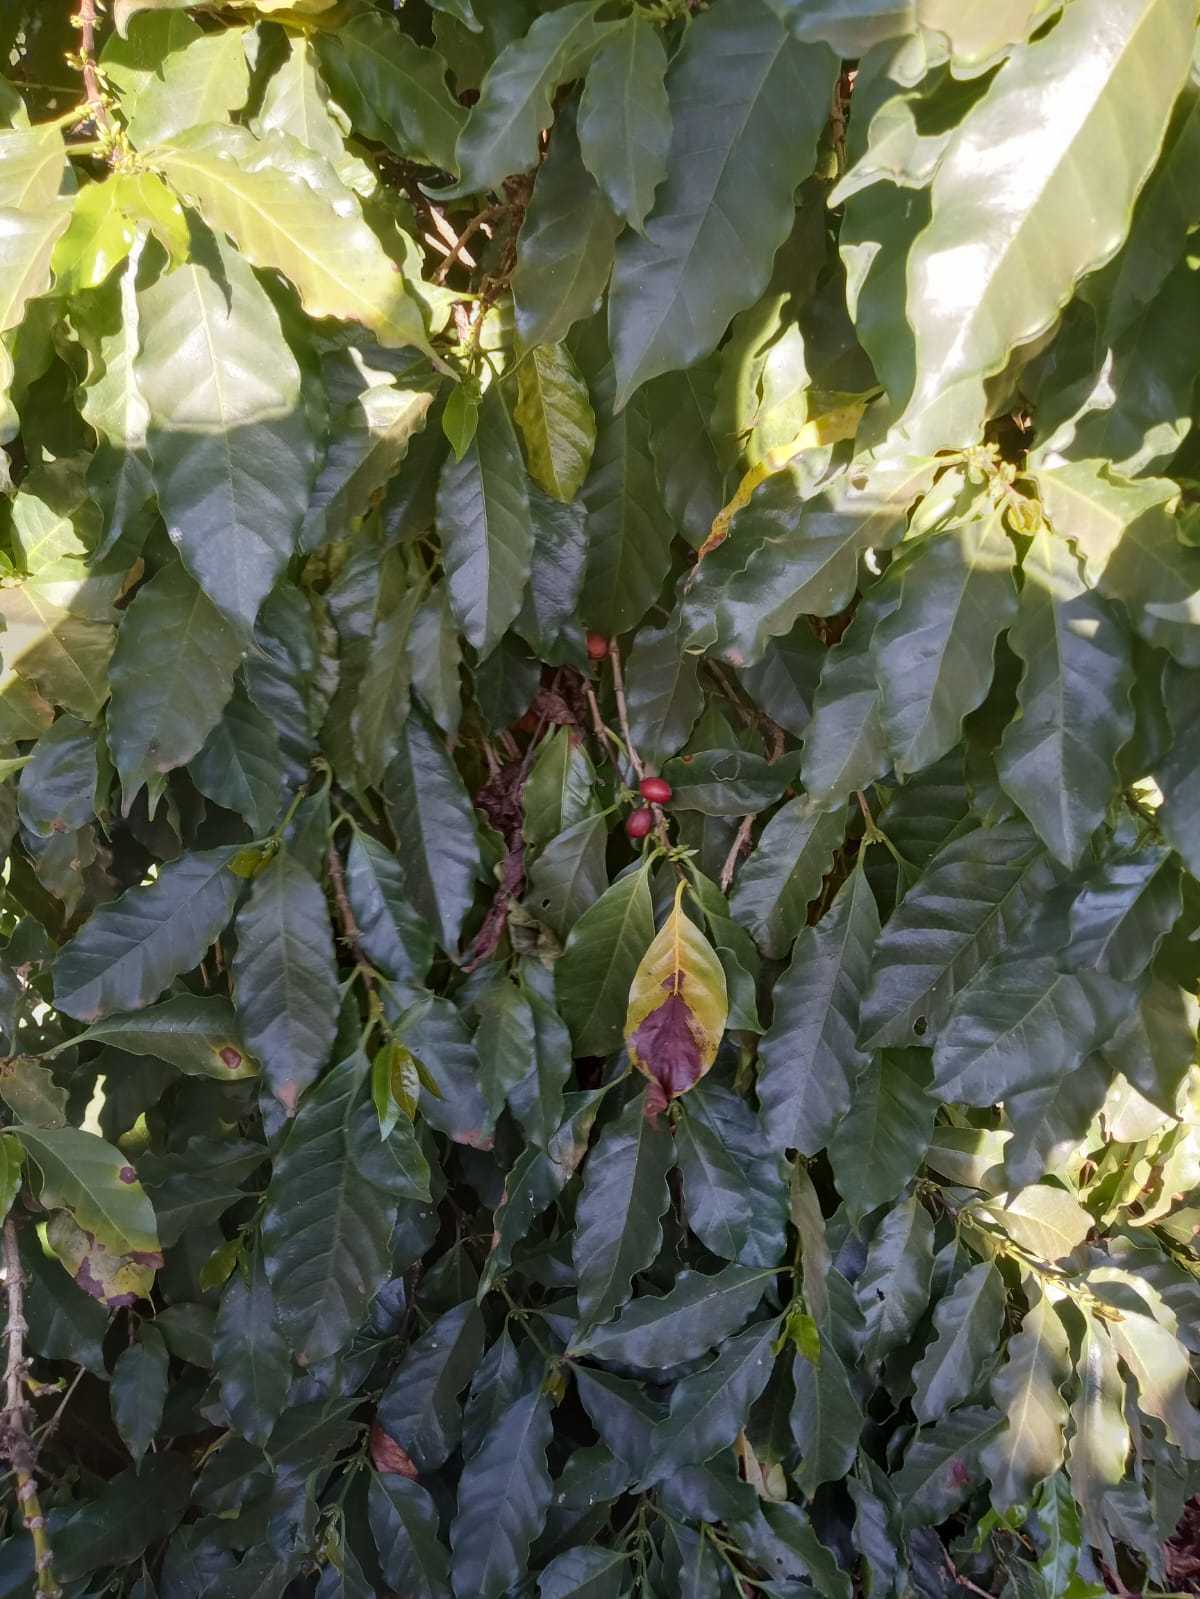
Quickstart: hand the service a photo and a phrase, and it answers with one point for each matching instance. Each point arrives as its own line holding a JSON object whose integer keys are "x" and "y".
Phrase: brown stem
{"x": 739, "y": 843}
{"x": 87, "y": 65}
{"x": 457, "y": 249}
{"x": 635, "y": 760}
{"x": 16, "y": 1441}
{"x": 351, "y": 935}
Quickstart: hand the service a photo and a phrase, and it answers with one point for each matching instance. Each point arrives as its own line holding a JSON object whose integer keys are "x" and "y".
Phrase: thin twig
{"x": 457, "y": 250}
{"x": 963, "y": 1582}
{"x": 635, "y": 760}
{"x": 47, "y": 1430}
{"x": 87, "y": 65}
{"x": 16, "y": 1441}
{"x": 351, "y": 936}
{"x": 597, "y": 719}
{"x": 741, "y": 838}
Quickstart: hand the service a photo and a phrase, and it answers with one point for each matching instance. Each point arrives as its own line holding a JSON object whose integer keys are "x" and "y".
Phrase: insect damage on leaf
{"x": 678, "y": 1005}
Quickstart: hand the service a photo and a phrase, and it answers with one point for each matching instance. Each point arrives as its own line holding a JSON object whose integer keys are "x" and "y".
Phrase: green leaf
{"x": 936, "y": 1475}
{"x": 419, "y": 1408}
{"x": 790, "y": 553}
{"x": 394, "y": 89}
{"x": 404, "y": 1524}
{"x": 1100, "y": 1437}
{"x": 203, "y": 81}
{"x": 1178, "y": 771}
{"x": 198, "y": 1035}
{"x": 10, "y": 1173}
{"x": 604, "y": 947}
{"x": 826, "y": 1417}
{"x": 995, "y": 264}
{"x": 881, "y": 1141}
{"x": 618, "y": 1217}
{"x": 259, "y": 196}
{"x": 285, "y": 977}
{"x": 845, "y": 748}
{"x": 130, "y": 950}
{"x": 629, "y": 533}
{"x": 367, "y": 443}
{"x": 967, "y": 1324}
{"x": 747, "y": 104}
{"x": 565, "y": 247}
{"x": 1022, "y": 1023}
{"x": 1130, "y": 545}
{"x": 727, "y": 782}
{"x": 56, "y": 792}
{"x": 484, "y": 522}
{"x": 809, "y": 1057}
{"x": 430, "y": 810}
{"x": 893, "y": 1291}
{"x": 735, "y": 1196}
{"x": 975, "y": 896}
{"x": 514, "y": 105}
{"x": 664, "y": 694}
{"x": 52, "y": 642}
{"x": 231, "y": 449}
{"x": 933, "y": 653}
{"x": 775, "y": 887}
{"x": 559, "y": 789}
{"x": 536, "y": 1098}
{"x": 709, "y": 1408}
{"x": 1124, "y": 910}
{"x": 569, "y": 875}
{"x": 585, "y": 1572}
{"x": 295, "y": 101}
{"x": 1057, "y": 760}
{"x": 1160, "y": 1367}
{"x": 253, "y": 1363}
{"x": 172, "y": 676}
{"x": 139, "y": 1390}
{"x": 394, "y": 938}
{"x": 83, "y": 1174}
{"x": 554, "y": 413}
{"x": 625, "y": 118}
{"x": 503, "y": 1498}
{"x": 383, "y": 698}
{"x": 34, "y": 160}
{"x": 240, "y": 765}
{"x": 325, "y": 1245}
{"x": 1028, "y": 1390}
{"x": 698, "y": 1314}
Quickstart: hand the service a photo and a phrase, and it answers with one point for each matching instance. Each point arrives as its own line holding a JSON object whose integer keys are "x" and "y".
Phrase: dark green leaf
{"x": 128, "y": 952}
{"x": 253, "y": 1362}
{"x": 139, "y": 1389}
{"x": 698, "y": 1314}
{"x": 625, "y": 118}
{"x": 619, "y": 1215}
{"x": 967, "y": 1325}
{"x": 593, "y": 978}
{"x": 709, "y": 1409}
{"x": 1057, "y": 760}
{"x": 502, "y": 1500}
{"x": 809, "y": 1056}
{"x": 285, "y": 977}
{"x": 430, "y": 810}
{"x": 784, "y": 874}
{"x": 484, "y": 522}
{"x": 419, "y": 1408}
{"x": 404, "y": 1524}
{"x": 881, "y": 1141}
{"x": 747, "y": 104}
{"x": 326, "y": 1245}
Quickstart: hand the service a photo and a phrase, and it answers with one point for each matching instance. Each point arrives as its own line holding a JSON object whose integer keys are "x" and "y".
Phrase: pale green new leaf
{"x": 1065, "y": 129}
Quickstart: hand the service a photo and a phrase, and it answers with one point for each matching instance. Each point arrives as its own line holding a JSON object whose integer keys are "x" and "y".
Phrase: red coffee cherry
{"x": 597, "y": 646}
{"x": 655, "y": 789}
{"x": 639, "y": 823}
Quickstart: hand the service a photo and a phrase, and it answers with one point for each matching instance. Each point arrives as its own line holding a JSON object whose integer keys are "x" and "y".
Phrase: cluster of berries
{"x": 654, "y": 790}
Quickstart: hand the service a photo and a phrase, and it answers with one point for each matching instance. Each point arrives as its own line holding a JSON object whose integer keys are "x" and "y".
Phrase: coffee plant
{"x": 600, "y": 781}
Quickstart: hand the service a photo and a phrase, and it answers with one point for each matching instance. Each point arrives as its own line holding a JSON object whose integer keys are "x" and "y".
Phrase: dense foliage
{"x": 434, "y": 1163}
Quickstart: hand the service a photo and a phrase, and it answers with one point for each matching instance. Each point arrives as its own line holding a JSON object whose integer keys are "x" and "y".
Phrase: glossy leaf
{"x": 678, "y": 1005}
{"x": 740, "y": 92}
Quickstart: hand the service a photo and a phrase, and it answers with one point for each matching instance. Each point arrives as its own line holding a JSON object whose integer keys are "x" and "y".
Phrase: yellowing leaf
{"x": 828, "y": 427}
{"x": 554, "y": 413}
{"x": 677, "y": 1005}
